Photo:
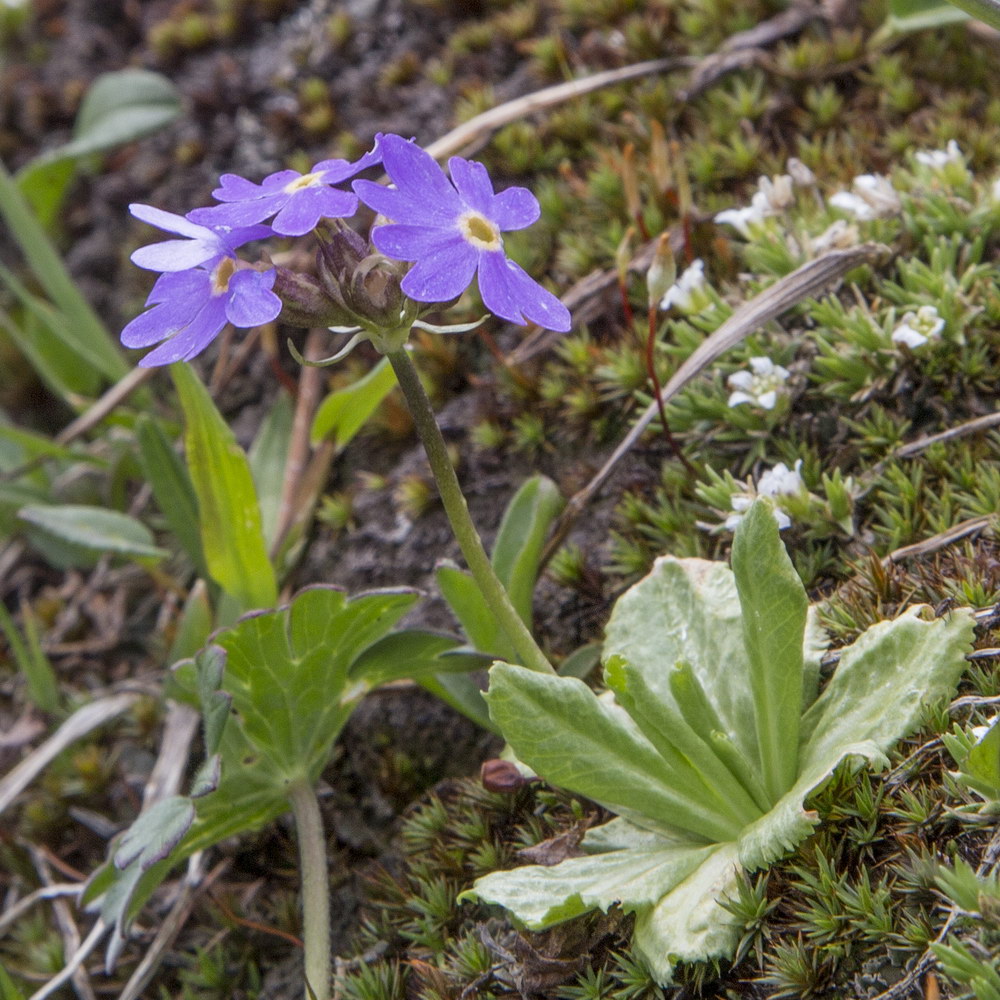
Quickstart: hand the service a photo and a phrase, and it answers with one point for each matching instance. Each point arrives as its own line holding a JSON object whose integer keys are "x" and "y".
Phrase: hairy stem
{"x": 315, "y": 889}
{"x": 458, "y": 515}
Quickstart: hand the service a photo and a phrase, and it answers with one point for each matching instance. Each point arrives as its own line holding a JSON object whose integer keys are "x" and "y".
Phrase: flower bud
{"x": 366, "y": 283}
{"x": 305, "y": 302}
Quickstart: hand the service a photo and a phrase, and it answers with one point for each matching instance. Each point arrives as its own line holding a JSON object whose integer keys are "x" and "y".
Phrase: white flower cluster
{"x": 772, "y": 197}
{"x": 938, "y": 159}
{"x": 689, "y": 293}
{"x": 759, "y": 386}
{"x": 872, "y": 197}
{"x": 916, "y": 328}
{"x": 779, "y": 481}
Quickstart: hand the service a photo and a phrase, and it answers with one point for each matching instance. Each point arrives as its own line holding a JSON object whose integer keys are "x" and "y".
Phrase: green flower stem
{"x": 458, "y": 515}
{"x": 315, "y": 888}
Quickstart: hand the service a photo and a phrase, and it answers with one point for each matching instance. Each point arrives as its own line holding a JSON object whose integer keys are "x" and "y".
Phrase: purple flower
{"x": 191, "y": 307}
{"x": 203, "y": 287}
{"x": 451, "y": 230}
{"x": 297, "y": 201}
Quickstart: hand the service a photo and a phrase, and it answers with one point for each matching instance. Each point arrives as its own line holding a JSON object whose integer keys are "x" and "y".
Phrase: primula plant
{"x": 293, "y": 675}
{"x": 710, "y": 740}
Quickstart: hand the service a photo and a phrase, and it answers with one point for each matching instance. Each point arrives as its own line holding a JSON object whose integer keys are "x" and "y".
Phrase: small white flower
{"x": 839, "y": 235}
{"x": 995, "y": 190}
{"x": 873, "y": 197}
{"x": 688, "y": 294}
{"x": 759, "y": 386}
{"x": 938, "y": 159}
{"x": 779, "y": 481}
{"x": 773, "y": 194}
{"x": 800, "y": 173}
{"x": 743, "y": 220}
{"x": 915, "y": 329}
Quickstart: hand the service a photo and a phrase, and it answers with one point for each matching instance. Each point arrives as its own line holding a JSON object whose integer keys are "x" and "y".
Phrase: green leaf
{"x": 521, "y": 537}
{"x": 473, "y": 613}
{"x": 94, "y": 528}
{"x": 194, "y": 625}
{"x": 541, "y": 896}
{"x": 46, "y": 338}
{"x": 210, "y": 664}
{"x": 464, "y": 694}
{"x": 155, "y": 833}
{"x": 30, "y": 659}
{"x": 920, "y": 15}
{"x": 687, "y": 612}
{"x": 267, "y": 457}
{"x": 774, "y": 607}
{"x": 411, "y": 653}
{"x": 85, "y": 331}
{"x": 983, "y": 763}
{"x": 276, "y": 689}
{"x": 229, "y": 516}
{"x": 166, "y": 474}
{"x": 516, "y": 557}
{"x": 288, "y": 672}
{"x": 119, "y": 107}
{"x": 343, "y": 413}
{"x": 560, "y": 729}
{"x": 8, "y": 991}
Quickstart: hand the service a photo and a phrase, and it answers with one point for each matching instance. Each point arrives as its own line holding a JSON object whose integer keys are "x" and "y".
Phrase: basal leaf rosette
{"x": 709, "y": 741}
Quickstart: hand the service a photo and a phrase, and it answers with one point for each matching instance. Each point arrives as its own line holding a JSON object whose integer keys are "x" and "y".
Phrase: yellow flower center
{"x": 479, "y": 231}
{"x": 305, "y": 181}
{"x": 221, "y": 275}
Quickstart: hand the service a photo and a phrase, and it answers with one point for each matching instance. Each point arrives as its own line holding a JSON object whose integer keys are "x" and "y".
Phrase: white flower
{"x": 773, "y": 195}
{"x": 839, "y": 235}
{"x": 800, "y": 173}
{"x": 995, "y": 190}
{"x": 779, "y": 481}
{"x": 759, "y": 386}
{"x": 687, "y": 294}
{"x": 873, "y": 197}
{"x": 938, "y": 159}
{"x": 744, "y": 220}
{"x": 915, "y": 329}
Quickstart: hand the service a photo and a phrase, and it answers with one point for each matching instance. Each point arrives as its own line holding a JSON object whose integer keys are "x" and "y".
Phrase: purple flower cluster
{"x": 449, "y": 229}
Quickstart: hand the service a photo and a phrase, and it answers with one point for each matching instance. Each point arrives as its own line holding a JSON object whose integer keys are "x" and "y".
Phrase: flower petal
{"x": 412, "y": 242}
{"x": 507, "y": 291}
{"x": 515, "y": 208}
{"x": 304, "y": 209}
{"x": 420, "y": 180}
{"x": 443, "y": 273}
{"x": 176, "y": 255}
{"x": 152, "y": 326}
{"x": 169, "y": 222}
{"x": 232, "y": 187}
{"x": 250, "y": 301}
{"x": 186, "y": 289}
{"x": 473, "y": 183}
{"x": 235, "y": 214}
{"x": 193, "y": 339}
